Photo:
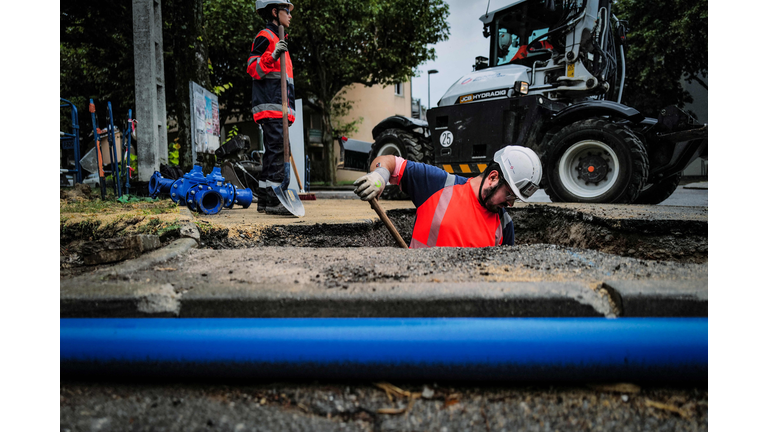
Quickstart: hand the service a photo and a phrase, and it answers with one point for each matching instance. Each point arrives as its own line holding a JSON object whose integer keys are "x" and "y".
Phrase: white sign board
{"x": 206, "y": 128}
{"x": 296, "y": 138}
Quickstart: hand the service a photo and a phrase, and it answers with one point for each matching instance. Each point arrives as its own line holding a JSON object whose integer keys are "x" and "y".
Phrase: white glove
{"x": 280, "y": 48}
{"x": 372, "y": 184}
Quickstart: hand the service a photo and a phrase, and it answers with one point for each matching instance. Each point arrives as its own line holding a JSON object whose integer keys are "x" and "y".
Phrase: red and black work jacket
{"x": 266, "y": 97}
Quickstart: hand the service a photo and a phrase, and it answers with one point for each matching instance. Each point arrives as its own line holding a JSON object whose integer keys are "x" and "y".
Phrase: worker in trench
{"x": 455, "y": 211}
{"x": 266, "y": 101}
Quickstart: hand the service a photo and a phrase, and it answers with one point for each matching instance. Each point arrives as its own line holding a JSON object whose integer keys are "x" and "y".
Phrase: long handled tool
{"x": 388, "y": 223}
{"x": 102, "y": 181}
{"x": 306, "y": 196}
{"x": 289, "y": 198}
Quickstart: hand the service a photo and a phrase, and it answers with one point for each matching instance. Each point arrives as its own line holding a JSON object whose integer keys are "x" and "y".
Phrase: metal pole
{"x": 429, "y": 90}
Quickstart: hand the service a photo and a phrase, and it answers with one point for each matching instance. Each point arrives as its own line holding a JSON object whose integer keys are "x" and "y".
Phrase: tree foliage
{"x": 667, "y": 40}
{"x": 96, "y": 58}
{"x": 231, "y": 26}
{"x": 332, "y": 44}
{"x": 335, "y": 44}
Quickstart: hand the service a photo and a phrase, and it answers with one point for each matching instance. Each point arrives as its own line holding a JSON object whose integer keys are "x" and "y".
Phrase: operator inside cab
{"x": 510, "y": 43}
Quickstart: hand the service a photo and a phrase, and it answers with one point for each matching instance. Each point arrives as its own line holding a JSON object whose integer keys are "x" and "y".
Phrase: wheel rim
{"x": 589, "y": 168}
{"x": 390, "y": 149}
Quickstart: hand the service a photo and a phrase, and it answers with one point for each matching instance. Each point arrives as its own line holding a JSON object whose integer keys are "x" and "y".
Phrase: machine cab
{"x": 520, "y": 34}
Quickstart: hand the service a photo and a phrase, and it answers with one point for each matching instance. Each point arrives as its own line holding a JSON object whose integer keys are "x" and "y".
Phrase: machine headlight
{"x": 521, "y": 87}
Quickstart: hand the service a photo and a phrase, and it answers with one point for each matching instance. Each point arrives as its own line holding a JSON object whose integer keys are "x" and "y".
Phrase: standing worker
{"x": 266, "y": 101}
{"x": 456, "y": 211}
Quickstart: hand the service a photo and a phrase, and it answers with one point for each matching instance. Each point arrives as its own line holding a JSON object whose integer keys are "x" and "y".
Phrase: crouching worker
{"x": 455, "y": 211}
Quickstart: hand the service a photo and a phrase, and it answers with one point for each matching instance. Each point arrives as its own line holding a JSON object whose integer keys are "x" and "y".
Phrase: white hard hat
{"x": 261, "y": 4}
{"x": 507, "y": 39}
{"x": 521, "y": 168}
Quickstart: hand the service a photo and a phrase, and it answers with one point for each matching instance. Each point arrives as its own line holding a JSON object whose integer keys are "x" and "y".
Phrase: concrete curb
{"x": 125, "y": 298}
{"x": 651, "y": 298}
{"x": 190, "y": 238}
{"x": 122, "y": 297}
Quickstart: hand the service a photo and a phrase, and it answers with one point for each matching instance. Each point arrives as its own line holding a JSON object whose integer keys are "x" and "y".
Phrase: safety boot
{"x": 261, "y": 199}
{"x": 274, "y": 206}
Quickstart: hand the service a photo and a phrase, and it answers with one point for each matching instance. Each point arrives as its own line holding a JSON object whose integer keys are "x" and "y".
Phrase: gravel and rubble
{"x": 354, "y": 406}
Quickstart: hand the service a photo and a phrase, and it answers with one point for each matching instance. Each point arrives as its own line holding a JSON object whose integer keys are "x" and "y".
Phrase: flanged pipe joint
{"x": 159, "y": 184}
{"x": 205, "y": 197}
{"x": 181, "y": 186}
{"x": 229, "y": 193}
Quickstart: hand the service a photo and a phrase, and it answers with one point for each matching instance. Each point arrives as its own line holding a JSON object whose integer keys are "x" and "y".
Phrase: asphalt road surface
{"x": 366, "y": 407}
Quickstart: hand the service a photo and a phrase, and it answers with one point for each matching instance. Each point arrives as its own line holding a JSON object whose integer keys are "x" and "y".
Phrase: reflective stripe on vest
{"x": 273, "y": 40}
{"x": 439, "y": 214}
{"x": 273, "y": 108}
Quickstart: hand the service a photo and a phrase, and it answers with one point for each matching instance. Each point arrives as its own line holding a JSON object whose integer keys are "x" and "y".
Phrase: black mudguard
{"x": 595, "y": 108}
{"x": 401, "y": 122}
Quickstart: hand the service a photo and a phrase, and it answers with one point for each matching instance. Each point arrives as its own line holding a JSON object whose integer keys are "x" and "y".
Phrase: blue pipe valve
{"x": 181, "y": 186}
{"x": 204, "y": 199}
{"x": 229, "y": 193}
{"x": 159, "y": 184}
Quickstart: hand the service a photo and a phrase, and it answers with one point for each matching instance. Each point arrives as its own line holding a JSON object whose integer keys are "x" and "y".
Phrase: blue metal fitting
{"x": 229, "y": 193}
{"x": 243, "y": 197}
{"x": 159, "y": 184}
{"x": 180, "y": 187}
{"x": 204, "y": 199}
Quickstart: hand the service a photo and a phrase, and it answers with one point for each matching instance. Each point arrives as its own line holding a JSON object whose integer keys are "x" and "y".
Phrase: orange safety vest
{"x": 523, "y": 51}
{"x": 266, "y": 97}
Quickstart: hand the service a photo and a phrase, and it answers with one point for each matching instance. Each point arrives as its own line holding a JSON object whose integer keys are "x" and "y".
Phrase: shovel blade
{"x": 290, "y": 200}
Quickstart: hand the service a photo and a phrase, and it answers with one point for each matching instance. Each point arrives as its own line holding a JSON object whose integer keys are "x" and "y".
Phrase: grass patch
{"x": 145, "y": 206}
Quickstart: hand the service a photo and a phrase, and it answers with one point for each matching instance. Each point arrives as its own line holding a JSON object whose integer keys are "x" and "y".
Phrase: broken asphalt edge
{"x": 190, "y": 238}
{"x": 111, "y": 293}
{"x": 123, "y": 297}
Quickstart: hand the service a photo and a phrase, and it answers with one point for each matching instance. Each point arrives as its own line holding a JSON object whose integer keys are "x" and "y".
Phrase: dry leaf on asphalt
{"x": 666, "y": 407}
{"x": 616, "y": 388}
{"x": 451, "y": 399}
{"x": 389, "y": 389}
{"x": 391, "y": 410}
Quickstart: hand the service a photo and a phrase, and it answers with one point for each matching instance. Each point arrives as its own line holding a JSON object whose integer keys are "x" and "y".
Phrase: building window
{"x": 399, "y": 89}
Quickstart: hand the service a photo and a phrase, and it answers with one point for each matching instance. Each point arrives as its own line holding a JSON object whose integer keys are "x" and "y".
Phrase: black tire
{"x": 595, "y": 161}
{"x": 658, "y": 192}
{"x": 398, "y": 142}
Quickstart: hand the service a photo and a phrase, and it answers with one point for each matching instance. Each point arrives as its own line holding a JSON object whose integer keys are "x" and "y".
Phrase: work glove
{"x": 287, "y": 178}
{"x": 280, "y": 48}
{"x": 372, "y": 184}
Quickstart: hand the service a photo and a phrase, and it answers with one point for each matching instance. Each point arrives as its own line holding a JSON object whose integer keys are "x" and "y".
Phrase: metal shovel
{"x": 290, "y": 197}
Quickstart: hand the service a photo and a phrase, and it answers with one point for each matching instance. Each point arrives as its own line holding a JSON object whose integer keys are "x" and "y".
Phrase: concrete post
{"x": 152, "y": 145}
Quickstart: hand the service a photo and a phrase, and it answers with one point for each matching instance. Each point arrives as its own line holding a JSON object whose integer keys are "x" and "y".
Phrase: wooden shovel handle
{"x": 296, "y": 172}
{"x": 284, "y": 94}
{"x": 384, "y": 218}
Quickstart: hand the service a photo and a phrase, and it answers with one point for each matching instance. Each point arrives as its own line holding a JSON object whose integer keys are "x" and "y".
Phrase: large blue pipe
{"x": 517, "y": 349}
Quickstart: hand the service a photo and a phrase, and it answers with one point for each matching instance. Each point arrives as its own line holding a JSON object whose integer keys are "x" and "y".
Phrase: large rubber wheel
{"x": 658, "y": 192}
{"x": 595, "y": 161}
{"x": 400, "y": 143}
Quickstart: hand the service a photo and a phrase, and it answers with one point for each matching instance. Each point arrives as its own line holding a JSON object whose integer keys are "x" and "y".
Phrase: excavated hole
{"x": 683, "y": 241}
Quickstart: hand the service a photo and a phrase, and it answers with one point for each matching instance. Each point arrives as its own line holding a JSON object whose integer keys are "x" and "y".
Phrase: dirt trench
{"x": 681, "y": 241}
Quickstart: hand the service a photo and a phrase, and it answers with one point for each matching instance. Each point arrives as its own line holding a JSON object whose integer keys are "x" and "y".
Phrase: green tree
{"x": 336, "y": 44}
{"x": 231, "y": 27}
{"x": 186, "y": 43}
{"x": 332, "y": 44}
{"x": 96, "y": 58}
{"x": 667, "y": 41}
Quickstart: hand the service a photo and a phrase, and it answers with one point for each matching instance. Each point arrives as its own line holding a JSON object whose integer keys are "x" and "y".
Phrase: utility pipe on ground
{"x": 498, "y": 349}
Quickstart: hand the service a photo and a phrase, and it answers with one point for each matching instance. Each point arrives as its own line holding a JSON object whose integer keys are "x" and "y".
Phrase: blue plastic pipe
{"x": 516, "y": 349}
